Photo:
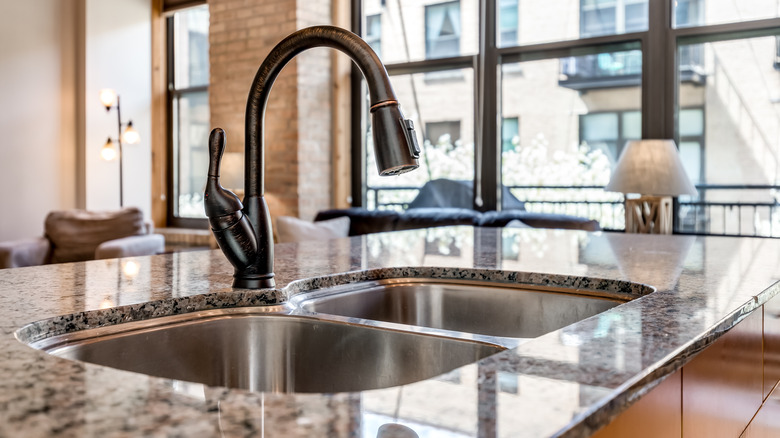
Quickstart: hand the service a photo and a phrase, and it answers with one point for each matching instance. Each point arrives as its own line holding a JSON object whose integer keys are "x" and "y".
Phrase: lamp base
{"x": 649, "y": 215}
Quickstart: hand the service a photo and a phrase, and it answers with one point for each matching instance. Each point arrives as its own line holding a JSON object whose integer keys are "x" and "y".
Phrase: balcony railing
{"x": 604, "y": 70}
{"x": 713, "y": 212}
{"x": 624, "y": 69}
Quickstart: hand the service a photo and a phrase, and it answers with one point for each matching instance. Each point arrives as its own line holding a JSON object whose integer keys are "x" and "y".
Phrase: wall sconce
{"x": 651, "y": 168}
{"x": 113, "y": 148}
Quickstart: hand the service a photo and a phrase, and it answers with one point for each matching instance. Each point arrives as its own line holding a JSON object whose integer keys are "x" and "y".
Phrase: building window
{"x": 777, "y": 53}
{"x": 692, "y": 143}
{"x": 507, "y": 23}
{"x": 687, "y": 13}
{"x": 443, "y": 133}
{"x": 373, "y": 34}
{"x": 609, "y": 17}
{"x": 510, "y": 131}
{"x": 609, "y": 131}
{"x": 442, "y": 30}
{"x": 188, "y": 114}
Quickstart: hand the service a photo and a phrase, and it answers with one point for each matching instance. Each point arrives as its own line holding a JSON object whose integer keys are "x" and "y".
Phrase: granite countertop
{"x": 567, "y": 383}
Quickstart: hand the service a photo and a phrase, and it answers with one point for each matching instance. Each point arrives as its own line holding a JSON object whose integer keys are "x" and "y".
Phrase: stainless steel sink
{"x": 352, "y": 337}
{"x": 257, "y": 349}
{"x": 486, "y": 308}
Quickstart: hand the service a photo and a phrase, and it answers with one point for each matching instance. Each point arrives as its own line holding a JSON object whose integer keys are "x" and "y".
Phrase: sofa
{"x": 445, "y": 202}
{"x": 363, "y": 221}
{"x": 79, "y": 235}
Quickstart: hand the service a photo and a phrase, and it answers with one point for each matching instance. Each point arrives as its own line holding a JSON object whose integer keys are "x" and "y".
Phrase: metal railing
{"x": 712, "y": 212}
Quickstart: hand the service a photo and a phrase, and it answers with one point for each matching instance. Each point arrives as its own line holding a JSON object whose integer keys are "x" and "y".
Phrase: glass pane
{"x": 509, "y": 133}
{"x": 569, "y": 134}
{"x": 412, "y": 30}
{"x": 691, "y": 122}
{"x": 191, "y": 126}
{"x": 690, "y": 154}
{"x": 598, "y": 21}
{"x": 689, "y": 13}
{"x": 562, "y": 20}
{"x": 602, "y": 126}
{"x": 374, "y": 33}
{"x": 507, "y": 23}
{"x": 191, "y": 47}
{"x": 441, "y": 105}
{"x": 632, "y": 125}
{"x": 442, "y": 30}
{"x": 636, "y": 16}
{"x": 728, "y": 107}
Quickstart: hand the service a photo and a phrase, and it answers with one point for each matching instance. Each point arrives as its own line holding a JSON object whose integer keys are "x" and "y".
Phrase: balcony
{"x": 624, "y": 69}
{"x": 604, "y": 70}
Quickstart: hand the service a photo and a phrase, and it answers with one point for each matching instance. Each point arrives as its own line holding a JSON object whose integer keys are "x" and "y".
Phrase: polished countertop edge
{"x": 589, "y": 422}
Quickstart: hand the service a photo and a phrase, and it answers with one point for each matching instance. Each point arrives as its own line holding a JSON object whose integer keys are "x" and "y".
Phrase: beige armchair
{"x": 78, "y": 235}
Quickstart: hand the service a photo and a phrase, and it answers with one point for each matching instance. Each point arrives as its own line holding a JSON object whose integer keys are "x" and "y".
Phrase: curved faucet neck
{"x": 380, "y": 90}
{"x": 246, "y": 235}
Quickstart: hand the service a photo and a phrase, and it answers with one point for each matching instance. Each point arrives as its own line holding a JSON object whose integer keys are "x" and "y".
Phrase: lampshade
{"x": 108, "y": 97}
{"x": 108, "y": 152}
{"x": 131, "y": 136}
{"x": 650, "y": 167}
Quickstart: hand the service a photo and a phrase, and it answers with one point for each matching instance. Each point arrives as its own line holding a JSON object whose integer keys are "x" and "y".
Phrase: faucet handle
{"x": 230, "y": 226}
{"x": 218, "y": 201}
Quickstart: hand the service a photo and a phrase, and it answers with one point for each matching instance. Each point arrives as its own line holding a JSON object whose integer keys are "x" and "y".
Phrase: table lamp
{"x": 651, "y": 168}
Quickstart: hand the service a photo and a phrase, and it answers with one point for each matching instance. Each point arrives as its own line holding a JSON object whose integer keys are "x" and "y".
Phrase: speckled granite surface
{"x": 567, "y": 383}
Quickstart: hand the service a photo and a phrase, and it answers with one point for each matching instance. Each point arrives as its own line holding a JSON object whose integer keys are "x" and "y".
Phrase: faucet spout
{"x": 395, "y": 144}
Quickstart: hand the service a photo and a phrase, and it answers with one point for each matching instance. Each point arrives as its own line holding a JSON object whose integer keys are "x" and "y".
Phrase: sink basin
{"x": 256, "y": 349}
{"x": 486, "y": 308}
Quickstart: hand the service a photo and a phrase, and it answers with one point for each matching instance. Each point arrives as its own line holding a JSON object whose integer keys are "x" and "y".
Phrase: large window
{"x": 188, "y": 106}
{"x": 545, "y": 104}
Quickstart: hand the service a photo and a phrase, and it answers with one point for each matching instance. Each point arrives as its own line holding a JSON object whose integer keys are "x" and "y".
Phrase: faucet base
{"x": 262, "y": 282}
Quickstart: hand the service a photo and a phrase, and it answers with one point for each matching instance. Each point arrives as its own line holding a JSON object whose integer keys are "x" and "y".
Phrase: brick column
{"x": 298, "y": 116}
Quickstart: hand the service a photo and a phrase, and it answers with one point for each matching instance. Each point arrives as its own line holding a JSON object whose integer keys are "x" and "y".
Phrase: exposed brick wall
{"x": 298, "y": 117}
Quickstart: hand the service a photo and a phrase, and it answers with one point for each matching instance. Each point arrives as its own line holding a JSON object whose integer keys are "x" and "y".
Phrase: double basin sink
{"x": 351, "y": 337}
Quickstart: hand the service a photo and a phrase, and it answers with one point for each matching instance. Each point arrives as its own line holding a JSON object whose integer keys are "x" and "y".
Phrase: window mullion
{"x": 487, "y": 174}
{"x": 658, "y": 73}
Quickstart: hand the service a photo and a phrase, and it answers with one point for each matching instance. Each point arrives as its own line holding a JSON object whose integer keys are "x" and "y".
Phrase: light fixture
{"x": 110, "y": 99}
{"x": 130, "y": 135}
{"x": 652, "y": 169}
{"x": 108, "y": 151}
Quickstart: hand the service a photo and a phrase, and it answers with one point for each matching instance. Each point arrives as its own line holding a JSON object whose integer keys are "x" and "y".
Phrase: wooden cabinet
{"x": 766, "y": 423}
{"x": 722, "y": 387}
{"x": 715, "y": 395}
{"x": 771, "y": 344}
{"x": 657, "y": 414}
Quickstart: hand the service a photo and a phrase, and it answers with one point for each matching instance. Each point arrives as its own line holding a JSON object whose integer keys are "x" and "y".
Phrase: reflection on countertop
{"x": 568, "y": 382}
